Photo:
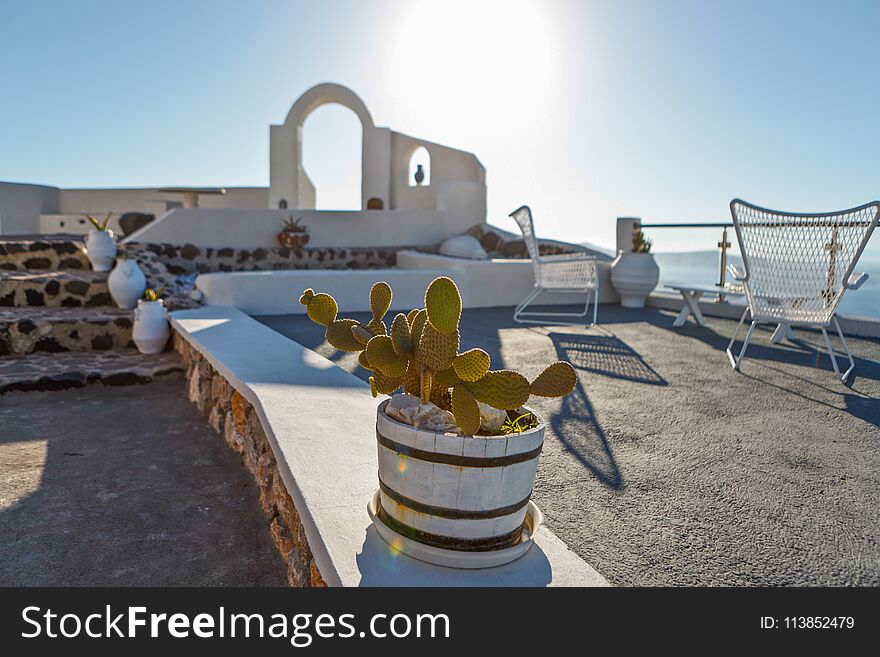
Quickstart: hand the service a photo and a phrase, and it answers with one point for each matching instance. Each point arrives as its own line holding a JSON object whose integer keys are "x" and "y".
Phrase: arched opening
{"x": 331, "y": 157}
{"x": 420, "y": 168}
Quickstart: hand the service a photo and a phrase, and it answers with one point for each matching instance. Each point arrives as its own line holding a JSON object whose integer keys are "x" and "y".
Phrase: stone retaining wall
{"x": 189, "y": 259}
{"x": 233, "y": 417}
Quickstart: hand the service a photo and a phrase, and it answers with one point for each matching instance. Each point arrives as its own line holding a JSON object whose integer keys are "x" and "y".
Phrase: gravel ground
{"x": 125, "y": 487}
{"x": 665, "y": 467}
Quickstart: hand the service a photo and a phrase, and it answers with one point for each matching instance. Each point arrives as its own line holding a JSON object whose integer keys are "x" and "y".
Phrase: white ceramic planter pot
{"x": 457, "y": 493}
{"x": 127, "y": 283}
{"x": 151, "y": 331}
{"x": 101, "y": 249}
{"x": 634, "y": 276}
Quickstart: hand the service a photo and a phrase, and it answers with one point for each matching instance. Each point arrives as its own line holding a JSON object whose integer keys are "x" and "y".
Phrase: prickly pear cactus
{"x": 420, "y": 354}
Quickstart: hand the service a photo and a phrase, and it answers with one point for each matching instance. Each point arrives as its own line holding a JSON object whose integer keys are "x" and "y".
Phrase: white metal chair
{"x": 567, "y": 273}
{"x": 797, "y": 267}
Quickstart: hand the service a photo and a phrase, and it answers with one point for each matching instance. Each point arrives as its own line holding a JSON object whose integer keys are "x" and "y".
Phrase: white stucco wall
{"x": 447, "y": 164}
{"x": 21, "y": 205}
{"x": 144, "y": 199}
{"x": 247, "y": 229}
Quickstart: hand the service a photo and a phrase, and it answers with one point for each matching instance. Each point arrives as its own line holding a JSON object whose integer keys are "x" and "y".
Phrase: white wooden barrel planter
{"x": 458, "y": 493}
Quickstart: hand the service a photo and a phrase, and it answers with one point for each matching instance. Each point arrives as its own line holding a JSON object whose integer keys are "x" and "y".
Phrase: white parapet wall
{"x": 500, "y": 281}
{"x": 277, "y": 292}
{"x": 483, "y": 284}
{"x": 247, "y": 229}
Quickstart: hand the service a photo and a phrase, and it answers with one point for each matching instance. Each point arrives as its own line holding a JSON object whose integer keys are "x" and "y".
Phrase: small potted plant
{"x": 293, "y": 234}
{"x": 126, "y": 282}
{"x": 151, "y": 331}
{"x": 101, "y": 244}
{"x": 635, "y": 274}
{"x": 458, "y": 448}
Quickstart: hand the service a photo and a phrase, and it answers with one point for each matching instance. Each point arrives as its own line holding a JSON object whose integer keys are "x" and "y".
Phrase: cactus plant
{"x": 421, "y": 354}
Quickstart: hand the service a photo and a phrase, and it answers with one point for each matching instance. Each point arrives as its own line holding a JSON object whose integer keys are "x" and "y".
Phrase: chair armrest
{"x": 738, "y": 273}
{"x": 567, "y": 257}
{"x": 855, "y": 280}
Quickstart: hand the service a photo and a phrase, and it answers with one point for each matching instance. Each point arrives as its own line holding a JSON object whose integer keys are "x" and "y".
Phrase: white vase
{"x": 101, "y": 249}
{"x": 151, "y": 331}
{"x": 127, "y": 283}
{"x": 634, "y": 276}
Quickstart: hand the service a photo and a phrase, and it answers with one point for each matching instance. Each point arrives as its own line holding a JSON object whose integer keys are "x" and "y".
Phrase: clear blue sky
{"x": 584, "y": 110}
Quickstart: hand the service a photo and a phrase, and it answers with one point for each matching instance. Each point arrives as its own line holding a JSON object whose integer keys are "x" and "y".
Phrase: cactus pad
{"x": 362, "y": 333}
{"x": 377, "y": 326}
{"x": 411, "y": 379}
{"x": 472, "y": 365}
{"x": 418, "y": 324}
{"x": 443, "y": 303}
{"x": 321, "y": 308}
{"x": 364, "y": 362}
{"x": 411, "y": 315}
{"x": 380, "y": 353}
{"x": 447, "y": 378}
{"x": 557, "y": 380}
{"x": 383, "y": 384}
{"x": 466, "y": 410}
{"x": 502, "y": 389}
{"x": 380, "y": 299}
{"x": 437, "y": 350}
{"x": 339, "y": 335}
{"x": 426, "y": 382}
{"x": 400, "y": 335}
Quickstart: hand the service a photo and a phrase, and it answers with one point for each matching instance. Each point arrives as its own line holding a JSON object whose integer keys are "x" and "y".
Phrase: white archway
{"x": 288, "y": 179}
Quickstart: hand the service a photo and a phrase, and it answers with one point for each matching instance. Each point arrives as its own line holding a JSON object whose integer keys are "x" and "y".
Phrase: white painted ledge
{"x": 483, "y": 284}
{"x": 320, "y": 421}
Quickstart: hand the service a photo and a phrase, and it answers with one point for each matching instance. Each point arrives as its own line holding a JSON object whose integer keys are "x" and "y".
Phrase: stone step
{"x": 76, "y": 370}
{"x": 42, "y": 253}
{"x": 34, "y": 329}
{"x": 66, "y": 288}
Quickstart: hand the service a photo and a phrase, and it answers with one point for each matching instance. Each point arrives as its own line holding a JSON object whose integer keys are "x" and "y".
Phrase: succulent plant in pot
{"x": 151, "y": 330}
{"x": 293, "y": 234}
{"x": 101, "y": 244}
{"x": 634, "y": 274}
{"x": 458, "y": 447}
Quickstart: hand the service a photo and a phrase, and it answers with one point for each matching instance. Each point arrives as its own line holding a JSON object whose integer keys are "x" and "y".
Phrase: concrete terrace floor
{"x": 665, "y": 467}
{"x": 125, "y": 486}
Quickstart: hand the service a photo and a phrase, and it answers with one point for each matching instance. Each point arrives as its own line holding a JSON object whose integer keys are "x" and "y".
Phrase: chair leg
{"x": 525, "y": 302}
{"x": 852, "y": 363}
{"x": 830, "y": 351}
{"x": 734, "y": 362}
{"x": 596, "y": 306}
{"x": 519, "y": 314}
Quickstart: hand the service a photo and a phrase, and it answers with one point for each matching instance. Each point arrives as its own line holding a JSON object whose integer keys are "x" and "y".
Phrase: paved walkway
{"x": 665, "y": 467}
{"x": 125, "y": 486}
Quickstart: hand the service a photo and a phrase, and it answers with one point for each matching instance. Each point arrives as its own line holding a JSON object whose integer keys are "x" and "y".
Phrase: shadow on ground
{"x": 125, "y": 487}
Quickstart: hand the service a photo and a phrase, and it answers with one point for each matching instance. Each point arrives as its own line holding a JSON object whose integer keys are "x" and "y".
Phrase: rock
{"x": 491, "y": 419}
{"x": 409, "y": 410}
{"x": 463, "y": 246}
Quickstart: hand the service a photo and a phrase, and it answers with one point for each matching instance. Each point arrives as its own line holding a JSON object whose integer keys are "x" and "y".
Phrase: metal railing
{"x": 723, "y": 245}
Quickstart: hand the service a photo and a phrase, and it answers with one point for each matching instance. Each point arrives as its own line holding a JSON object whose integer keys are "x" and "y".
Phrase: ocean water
{"x": 702, "y": 267}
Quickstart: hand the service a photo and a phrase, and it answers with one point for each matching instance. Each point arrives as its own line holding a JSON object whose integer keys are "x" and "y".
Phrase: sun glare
{"x": 479, "y": 52}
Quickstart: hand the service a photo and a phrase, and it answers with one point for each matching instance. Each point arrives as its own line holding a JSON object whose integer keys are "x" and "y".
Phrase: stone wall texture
{"x": 189, "y": 259}
{"x": 234, "y": 418}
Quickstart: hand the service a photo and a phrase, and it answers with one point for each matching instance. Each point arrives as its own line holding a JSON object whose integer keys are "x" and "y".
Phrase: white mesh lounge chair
{"x": 568, "y": 272}
{"x": 797, "y": 267}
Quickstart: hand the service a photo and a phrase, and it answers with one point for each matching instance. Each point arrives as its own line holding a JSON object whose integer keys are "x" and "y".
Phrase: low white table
{"x": 691, "y": 295}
